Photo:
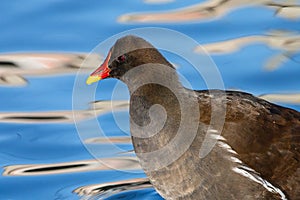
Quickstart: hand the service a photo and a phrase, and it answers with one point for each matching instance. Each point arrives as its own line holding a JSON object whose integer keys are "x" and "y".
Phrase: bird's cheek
{"x": 111, "y": 73}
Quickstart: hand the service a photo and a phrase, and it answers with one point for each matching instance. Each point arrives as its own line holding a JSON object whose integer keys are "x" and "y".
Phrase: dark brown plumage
{"x": 257, "y": 155}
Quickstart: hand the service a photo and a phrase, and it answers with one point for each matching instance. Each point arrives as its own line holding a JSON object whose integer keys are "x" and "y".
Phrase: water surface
{"x": 43, "y": 43}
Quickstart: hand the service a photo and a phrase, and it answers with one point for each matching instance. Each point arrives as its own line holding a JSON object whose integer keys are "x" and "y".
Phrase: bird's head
{"x": 128, "y": 52}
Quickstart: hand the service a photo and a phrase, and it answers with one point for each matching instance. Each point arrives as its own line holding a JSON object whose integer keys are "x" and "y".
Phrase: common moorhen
{"x": 256, "y": 153}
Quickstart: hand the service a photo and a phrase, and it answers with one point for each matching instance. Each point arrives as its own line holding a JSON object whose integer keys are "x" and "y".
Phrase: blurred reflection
{"x": 288, "y": 43}
{"x": 287, "y": 9}
{"x": 108, "y": 189}
{"x": 97, "y": 108}
{"x": 158, "y": 1}
{"x": 118, "y": 163}
{"x": 283, "y": 98}
{"x": 13, "y": 67}
{"x": 212, "y": 9}
{"x": 115, "y": 140}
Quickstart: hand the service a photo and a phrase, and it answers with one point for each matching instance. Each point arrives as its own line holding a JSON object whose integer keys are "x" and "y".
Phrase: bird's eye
{"x": 121, "y": 58}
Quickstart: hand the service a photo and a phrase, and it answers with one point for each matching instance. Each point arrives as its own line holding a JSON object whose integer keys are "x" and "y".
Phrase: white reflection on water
{"x": 158, "y": 1}
{"x": 15, "y": 66}
{"x": 104, "y": 190}
{"x": 211, "y": 9}
{"x": 287, "y": 42}
{"x": 118, "y": 163}
{"x": 99, "y": 107}
{"x": 282, "y": 98}
{"x": 115, "y": 140}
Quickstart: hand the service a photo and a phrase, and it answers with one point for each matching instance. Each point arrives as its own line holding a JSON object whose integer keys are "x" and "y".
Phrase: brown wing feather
{"x": 265, "y": 136}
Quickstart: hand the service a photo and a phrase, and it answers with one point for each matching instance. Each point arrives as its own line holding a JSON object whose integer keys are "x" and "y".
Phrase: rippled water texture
{"x": 255, "y": 44}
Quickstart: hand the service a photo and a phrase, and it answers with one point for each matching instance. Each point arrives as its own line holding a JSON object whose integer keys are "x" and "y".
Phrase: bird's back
{"x": 265, "y": 137}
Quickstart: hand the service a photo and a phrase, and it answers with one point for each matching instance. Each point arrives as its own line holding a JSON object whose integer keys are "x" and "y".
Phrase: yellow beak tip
{"x": 92, "y": 79}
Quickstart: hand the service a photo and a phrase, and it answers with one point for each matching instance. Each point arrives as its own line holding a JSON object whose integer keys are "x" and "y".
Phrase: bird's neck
{"x": 158, "y": 108}
{"x": 151, "y": 79}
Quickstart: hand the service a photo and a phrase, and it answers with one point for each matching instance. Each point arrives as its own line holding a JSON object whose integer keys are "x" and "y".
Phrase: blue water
{"x": 78, "y": 26}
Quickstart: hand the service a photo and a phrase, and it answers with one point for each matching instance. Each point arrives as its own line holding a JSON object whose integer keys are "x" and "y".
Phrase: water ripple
{"x": 97, "y": 108}
{"x": 15, "y": 66}
{"x": 105, "y": 190}
{"x": 118, "y": 163}
{"x": 210, "y": 10}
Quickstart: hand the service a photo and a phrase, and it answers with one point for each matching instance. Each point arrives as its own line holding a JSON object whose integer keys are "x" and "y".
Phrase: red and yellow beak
{"x": 101, "y": 73}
